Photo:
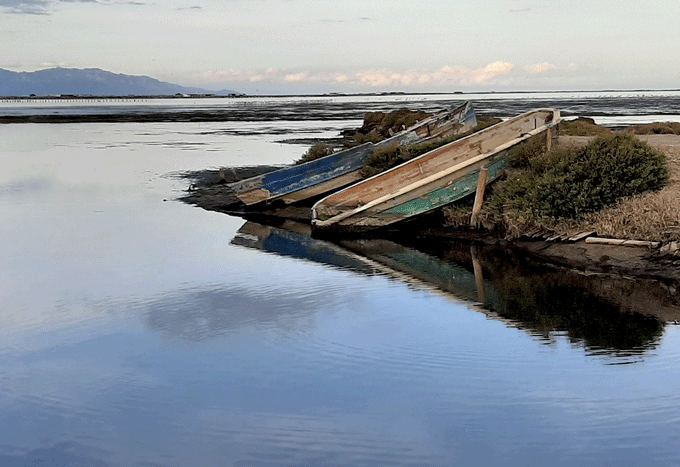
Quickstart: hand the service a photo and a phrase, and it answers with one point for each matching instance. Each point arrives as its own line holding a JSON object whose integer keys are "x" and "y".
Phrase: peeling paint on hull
{"x": 439, "y": 197}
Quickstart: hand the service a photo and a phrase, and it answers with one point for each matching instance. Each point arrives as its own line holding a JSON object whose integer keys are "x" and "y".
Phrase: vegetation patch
{"x": 387, "y": 124}
{"x": 377, "y": 126}
{"x": 384, "y": 159}
{"x": 657, "y": 129}
{"x": 649, "y": 216}
{"x": 558, "y": 189}
{"x": 317, "y": 151}
{"x": 583, "y": 126}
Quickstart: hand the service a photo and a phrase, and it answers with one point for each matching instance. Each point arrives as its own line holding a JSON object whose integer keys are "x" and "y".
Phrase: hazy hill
{"x": 91, "y": 81}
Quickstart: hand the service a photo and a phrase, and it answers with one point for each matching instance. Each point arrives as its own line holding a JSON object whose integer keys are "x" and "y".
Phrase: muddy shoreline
{"x": 208, "y": 190}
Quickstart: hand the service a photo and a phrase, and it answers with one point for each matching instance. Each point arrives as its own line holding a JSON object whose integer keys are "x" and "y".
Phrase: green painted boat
{"x": 430, "y": 181}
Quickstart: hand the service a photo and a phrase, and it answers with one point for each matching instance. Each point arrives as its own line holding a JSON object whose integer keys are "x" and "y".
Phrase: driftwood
{"x": 622, "y": 242}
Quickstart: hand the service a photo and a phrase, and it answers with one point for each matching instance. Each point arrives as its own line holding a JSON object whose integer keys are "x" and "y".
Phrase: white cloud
{"x": 540, "y": 68}
{"x": 296, "y": 77}
{"x": 492, "y": 71}
{"x": 383, "y": 78}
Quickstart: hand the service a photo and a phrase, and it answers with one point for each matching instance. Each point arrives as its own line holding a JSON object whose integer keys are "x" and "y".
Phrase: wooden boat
{"x": 429, "y": 181}
{"x": 320, "y": 176}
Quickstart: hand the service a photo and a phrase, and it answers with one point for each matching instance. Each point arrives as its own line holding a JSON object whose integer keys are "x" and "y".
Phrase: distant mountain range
{"x": 89, "y": 82}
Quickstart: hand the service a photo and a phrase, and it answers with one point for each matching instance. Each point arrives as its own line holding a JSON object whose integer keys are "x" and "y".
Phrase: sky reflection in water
{"x": 140, "y": 332}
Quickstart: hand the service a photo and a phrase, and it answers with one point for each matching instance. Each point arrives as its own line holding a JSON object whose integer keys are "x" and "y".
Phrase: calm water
{"x": 138, "y": 331}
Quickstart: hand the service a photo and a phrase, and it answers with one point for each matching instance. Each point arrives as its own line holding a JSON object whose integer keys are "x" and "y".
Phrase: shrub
{"x": 582, "y": 127}
{"x": 384, "y": 159}
{"x": 485, "y": 122}
{"x": 384, "y": 124}
{"x": 521, "y": 155}
{"x": 567, "y": 185}
{"x": 360, "y": 138}
{"x": 317, "y": 151}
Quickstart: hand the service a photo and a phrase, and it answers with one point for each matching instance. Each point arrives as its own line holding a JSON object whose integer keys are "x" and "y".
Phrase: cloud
{"x": 492, "y": 71}
{"x": 540, "y": 68}
{"x": 35, "y": 7}
{"x": 296, "y": 77}
{"x": 28, "y": 7}
{"x": 382, "y": 79}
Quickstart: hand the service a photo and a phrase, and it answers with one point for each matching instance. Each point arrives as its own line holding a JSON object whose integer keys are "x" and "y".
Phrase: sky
{"x": 345, "y": 46}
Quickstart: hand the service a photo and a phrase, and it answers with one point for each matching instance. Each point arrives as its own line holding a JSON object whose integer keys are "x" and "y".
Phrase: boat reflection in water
{"x": 604, "y": 315}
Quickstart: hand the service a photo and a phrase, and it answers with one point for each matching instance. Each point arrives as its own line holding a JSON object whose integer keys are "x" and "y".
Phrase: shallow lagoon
{"x": 137, "y": 330}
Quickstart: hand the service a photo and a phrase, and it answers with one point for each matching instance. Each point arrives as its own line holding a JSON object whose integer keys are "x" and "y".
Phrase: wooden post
{"x": 479, "y": 196}
{"x": 552, "y": 130}
{"x": 479, "y": 277}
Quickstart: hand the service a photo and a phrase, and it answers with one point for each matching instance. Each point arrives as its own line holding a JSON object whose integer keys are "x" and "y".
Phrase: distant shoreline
{"x": 329, "y": 94}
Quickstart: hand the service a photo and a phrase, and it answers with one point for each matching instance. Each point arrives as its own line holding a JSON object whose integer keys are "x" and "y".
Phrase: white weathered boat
{"x": 431, "y": 180}
{"x": 323, "y": 175}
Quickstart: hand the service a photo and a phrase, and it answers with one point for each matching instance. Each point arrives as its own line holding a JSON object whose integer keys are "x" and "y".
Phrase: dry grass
{"x": 657, "y": 129}
{"x": 651, "y": 216}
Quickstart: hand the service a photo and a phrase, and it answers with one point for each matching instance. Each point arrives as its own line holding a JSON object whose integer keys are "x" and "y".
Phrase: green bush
{"x": 485, "y": 122}
{"x": 384, "y": 159}
{"x": 522, "y": 154}
{"x": 317, "y": 151}
{"x": 583, "y": 126}
{"x": 570, "y": 184}
{"x": 360, "y": 138}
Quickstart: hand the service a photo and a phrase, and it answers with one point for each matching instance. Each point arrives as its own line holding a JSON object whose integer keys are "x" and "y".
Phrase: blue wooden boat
{"x": 430, "y": 181}
{"x": 320, "y": 176}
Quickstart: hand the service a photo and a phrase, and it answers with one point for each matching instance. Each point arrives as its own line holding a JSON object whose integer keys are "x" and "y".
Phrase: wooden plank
{"x": 622, "y": 242}
{"x": 582, "y": 235}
